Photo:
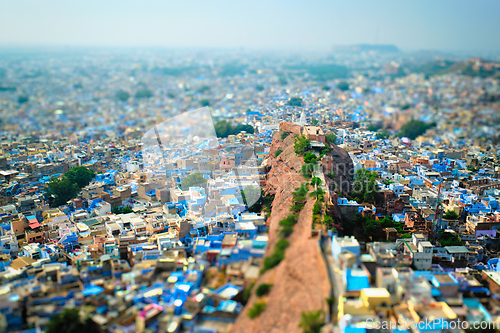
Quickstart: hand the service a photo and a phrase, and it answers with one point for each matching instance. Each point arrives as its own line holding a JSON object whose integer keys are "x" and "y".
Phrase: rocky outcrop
{"x": 300, "y": 281}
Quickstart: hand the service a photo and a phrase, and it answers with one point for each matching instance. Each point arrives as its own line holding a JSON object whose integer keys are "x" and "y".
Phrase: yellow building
{"x": 50, "y": 214}
{"x": 374, "y": 297}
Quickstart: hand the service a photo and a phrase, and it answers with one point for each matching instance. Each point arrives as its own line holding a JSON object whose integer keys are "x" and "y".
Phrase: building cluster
{"x": 136, "y": 250}
{"x": 439, "y": 264}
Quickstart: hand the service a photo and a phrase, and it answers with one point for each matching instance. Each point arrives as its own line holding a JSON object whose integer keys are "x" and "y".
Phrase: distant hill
{"x": 479, "y": 68}
{"x": 379, "y": 48}
{"x": 473, "y": 67}
{"x": 437, "y": 67}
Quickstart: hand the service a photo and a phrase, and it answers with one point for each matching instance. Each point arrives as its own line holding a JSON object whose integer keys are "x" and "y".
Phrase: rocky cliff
{"x": 300, "y": 281}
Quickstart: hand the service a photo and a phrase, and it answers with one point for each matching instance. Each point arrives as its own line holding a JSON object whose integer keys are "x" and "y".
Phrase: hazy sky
{"x": 316, "y": 25}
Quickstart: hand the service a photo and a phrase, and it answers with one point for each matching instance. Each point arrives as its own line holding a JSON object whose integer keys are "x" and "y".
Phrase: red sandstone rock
{"x": 300, "y": 281}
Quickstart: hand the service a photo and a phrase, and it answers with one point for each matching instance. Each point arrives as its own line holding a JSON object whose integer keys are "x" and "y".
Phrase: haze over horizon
{"x": 314, "y": 26}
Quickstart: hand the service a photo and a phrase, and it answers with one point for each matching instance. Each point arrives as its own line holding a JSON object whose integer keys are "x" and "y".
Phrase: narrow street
{"x": 336, "y": 279}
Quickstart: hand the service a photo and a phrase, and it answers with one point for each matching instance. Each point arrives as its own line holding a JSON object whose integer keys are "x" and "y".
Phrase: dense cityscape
{"x": 374, "y": 177}
{"x": 205, "y": 190}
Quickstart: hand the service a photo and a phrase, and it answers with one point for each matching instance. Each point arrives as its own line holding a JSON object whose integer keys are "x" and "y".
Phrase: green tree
{"x": 314, "y": 121}
{"x": 295, "y": 101}
{"x": 330, "y": 138}
{"x": 450, "y": 215}
{"x": 414, "y": 128}
{"x": 331, "y": 175}
{"x": 256, "y": 309}
{"x": 278, "y": 254}
{"x": 301, "y": 145}
{"x": 373, "y": 128}
{"x": 250, "y": 194}
{"x": 66, "y": 188}
{"x": 278, "y": 152}
{"x": 472, "y": 168}
{"x": 307, "y": 170}
{"x": 310, "y": 157}
{"x": 370, "y": 229}
{"x": 80, "y": 175}
{"x": 143, "y": 93}
{"x": 22, "y": 99}
{"x": 126, "y": 210}
{"x": 383, "y": 134}
{"x": 121, "y": 210}
{"x": 243, "y": 128}
{"x": 203, "y": 89}
{"x": 312, "y": 321}
{"x": 122, "y": 95}
{"x": 343, "y": 85}
{"x": 315, "y": 181}
{"x": 62, "y": 190}
{"x": 449, "y": 239}
{"x": 365, "y": 186}
{"x": 193, "y": 180}
{"x": 317, "y": 208}
{"x": 246, "y": 292}
{"x": 204, "y": 102}
{"x": 256, "y": 195}
{"x": 282, "y": 80}
{"x": 263, "y": 289}
{"x": 223, "y": 129}
{"x": 69, "y": 321}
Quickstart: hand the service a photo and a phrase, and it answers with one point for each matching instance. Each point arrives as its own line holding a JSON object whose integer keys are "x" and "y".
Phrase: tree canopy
{"x": 193, "y": 180}
{"x": 122, "y": 95}
{"x": 414, "y": 128}
{"x": 257, "y": 199}
{"x": 383, "y": 134}
{"x": 295, "y": 101}
{"x": 315, "y": 181}
{"x": 449, "y": 239}
{"x": 22, "y": 99}
{"x": 343, "y": 85}
{"x": 66, "y": 188}
{"x": 69, "y": 321}
{"x": 121, "y": 210}
{"x": 369, "y": 229}
{"x": 204, "y": 102}
{"x": 365, "y": 186}
{"x": 330, "y": 138}
{"x": 312, "y": 321}
{"x": 80, "y": 175}
{"x": 62, "y": 190}
{"x": 301, "y": 145}
{"x": 450, "y": 215}
{"x": 223, "y": 129}
{"x": 310, "y": 157}
{"x": 143, "y": 93}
